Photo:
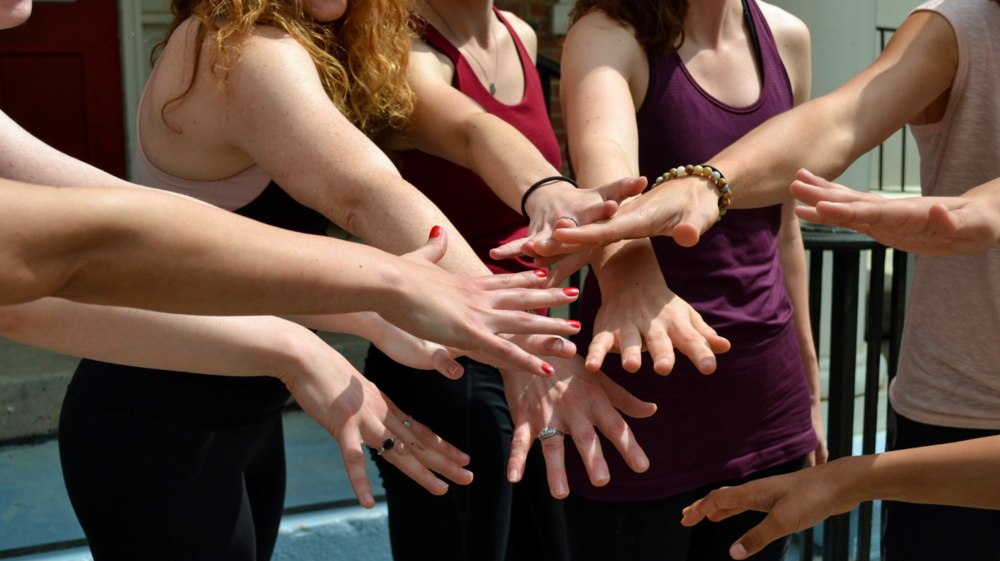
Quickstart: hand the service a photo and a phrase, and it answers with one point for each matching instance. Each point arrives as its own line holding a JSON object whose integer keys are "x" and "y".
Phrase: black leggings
{"x": 149, "y": 488}
{"x": 491, "y": 519}
{"x": 916, "y": 532}
{"x": 651, "y": 530}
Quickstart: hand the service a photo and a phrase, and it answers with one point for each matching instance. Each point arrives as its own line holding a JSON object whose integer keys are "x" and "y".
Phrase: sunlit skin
{"x": 14, "y": 12}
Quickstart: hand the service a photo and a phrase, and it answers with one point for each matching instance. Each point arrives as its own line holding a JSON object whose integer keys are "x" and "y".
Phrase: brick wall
{"x": 537, "y": 13}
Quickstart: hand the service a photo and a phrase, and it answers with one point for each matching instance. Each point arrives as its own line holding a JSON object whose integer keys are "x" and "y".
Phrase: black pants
{"x": 651, "y": 530}
{"x": 490, "y": 519}
{"x": 145, "y": 487}
{"x": 915, "y": 532}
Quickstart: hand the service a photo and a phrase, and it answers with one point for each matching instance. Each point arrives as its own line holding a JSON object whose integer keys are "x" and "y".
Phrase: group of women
{"x": 685, "y": 119}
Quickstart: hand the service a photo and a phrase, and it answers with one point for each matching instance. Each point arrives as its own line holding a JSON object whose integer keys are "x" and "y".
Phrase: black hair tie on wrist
{"x": 541, "y": 183}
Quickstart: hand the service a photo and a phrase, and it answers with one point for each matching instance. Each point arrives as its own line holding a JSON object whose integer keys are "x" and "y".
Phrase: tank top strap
{"x": 775, "y": 75}
{"x": 530, "y": 78}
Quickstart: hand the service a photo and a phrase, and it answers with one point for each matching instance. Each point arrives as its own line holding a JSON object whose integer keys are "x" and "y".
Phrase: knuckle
{"x": 587, "y": 437}
{"x": 551, "y": 445}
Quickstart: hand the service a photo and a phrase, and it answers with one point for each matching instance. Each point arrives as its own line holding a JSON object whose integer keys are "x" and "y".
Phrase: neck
{"x": 708, "y": 22}
{"x": 467, "y": 18}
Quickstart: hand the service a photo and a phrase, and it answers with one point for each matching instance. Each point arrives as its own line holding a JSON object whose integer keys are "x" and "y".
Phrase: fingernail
{"x": 642, "y": 463}
{"x": 601, "y": 475}
{"x": 738, "y": 551}
{"x": 547, "y": 368}
{"x": 436, "y": 232}
{"x": 559, "y": 489}
{"x": 512, "y": 476}
{"x": 707, "y": 364}
{"x": 541, "y": 273}
{"x": 551, "y": 344}
{"x": 369, "y": 499}
{"x": 571, "y": 291}
{"x": 575, "y": 324}
{"x": 454, "y": 369}
{"x": 441, "y": 484}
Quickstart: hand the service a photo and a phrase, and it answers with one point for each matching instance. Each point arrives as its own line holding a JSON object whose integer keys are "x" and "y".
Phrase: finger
{"x": 555, "y": 466}
{"x": 442, "y": 362}
{"x": 430, "y": 450}
{"x": 623, "y": 189}
{"x": 589, "y": 447}
{"x": 553, "y": 247}
{"x": 715, "y": 501}
{"x": 757, "y": 538}
{"x": 526, "y": 299}
{"x": 435, "y": 248}
{"x": 625, "y": 401}
{"x": 602, "y": 343}
{"x": 427, "y": 435}
{"x": 354, "y": 463}
{"x": 518, "y": 323}
{"x": 591, "y": 214}
{"x": 399, "y": 455}
{"x": 527, "y": 279}
{"x": 630, "y": 343}
{"x": 519, "y": 447}
{"x": 661, "y": 349}
{"x": 508, "y": 250}
{"x": 691, "y": 344}
{"x": 551, "y": 346}
{"x": 570, "y": 264}
{"x": 617, "y": 431}
{"x": 944, "y": 222}
{"x": 603, "y": 233}
{"x": 545, "y": 262}
{"x": 693, "y": 223}
{"x": 513, "y": 356}
{"x": 720, "y": 515}
{"x": 718, "y": 344}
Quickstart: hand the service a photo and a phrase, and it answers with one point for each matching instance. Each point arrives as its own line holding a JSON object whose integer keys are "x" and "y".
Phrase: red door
{"x": 60, "y": 79}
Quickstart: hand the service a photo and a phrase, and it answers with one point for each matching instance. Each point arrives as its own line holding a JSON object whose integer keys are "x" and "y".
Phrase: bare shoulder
{"x": 267, "y": 46}
{"x": 524, "y": 32}
{"x": 597, "y": 38}
{"x": 790, "y": 33}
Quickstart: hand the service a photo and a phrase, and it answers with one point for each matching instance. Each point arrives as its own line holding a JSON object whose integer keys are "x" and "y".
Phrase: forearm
{"x": 367, "y": 325}
{"x": 760, "y": 166}
{"x": 507, "y": 161}
{"x": 793, "y": 266}
{"x": 233, "y": 346}
{"x": 151, "y": 250}
{"x": 958, "y": 474}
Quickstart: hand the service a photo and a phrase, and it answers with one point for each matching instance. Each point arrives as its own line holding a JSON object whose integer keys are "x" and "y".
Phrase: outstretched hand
{"x": 794, "y": 502}
{"x": 470, "y": 314}
{"x": 573, "y": 401}
{"x": 357, "y": 414}
{"x": 684, "y": 209}
{"x": 925, "y": 225}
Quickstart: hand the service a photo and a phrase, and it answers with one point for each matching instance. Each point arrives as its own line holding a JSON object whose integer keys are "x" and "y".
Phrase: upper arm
{"x": 601, "y": 65}
{"x": 795, "y": 48}
{"x": 525, "y": 33}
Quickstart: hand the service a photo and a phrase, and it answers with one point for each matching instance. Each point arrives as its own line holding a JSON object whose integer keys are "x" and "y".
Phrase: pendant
{"x": 493, "y": 89}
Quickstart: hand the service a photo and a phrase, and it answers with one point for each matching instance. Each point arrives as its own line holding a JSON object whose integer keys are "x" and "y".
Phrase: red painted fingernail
{"x": 541, "y": 274}
{"x": 436, "y": 232}
{"x": 547, "y": 368}
{"x": 575, "y": 324}
{"x": 571, "y": 291}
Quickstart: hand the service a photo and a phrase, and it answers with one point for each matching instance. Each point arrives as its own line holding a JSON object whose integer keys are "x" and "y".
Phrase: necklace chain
{"x": 496, "y": 48}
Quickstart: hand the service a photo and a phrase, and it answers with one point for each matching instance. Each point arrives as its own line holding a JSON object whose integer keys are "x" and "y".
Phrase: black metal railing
{"x": 884, "y": 34}
{"x": 847, "y": 248}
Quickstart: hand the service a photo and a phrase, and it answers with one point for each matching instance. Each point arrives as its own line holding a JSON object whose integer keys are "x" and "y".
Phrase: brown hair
{"x": 361, "y": 58}
{"x": 658, "y": 24}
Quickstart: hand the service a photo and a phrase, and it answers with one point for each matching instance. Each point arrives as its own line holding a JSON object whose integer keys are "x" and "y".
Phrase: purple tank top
{"x": 754, "y": 412}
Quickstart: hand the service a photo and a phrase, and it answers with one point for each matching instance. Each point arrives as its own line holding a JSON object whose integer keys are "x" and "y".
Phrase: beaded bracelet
{"x": 708, "y": 172}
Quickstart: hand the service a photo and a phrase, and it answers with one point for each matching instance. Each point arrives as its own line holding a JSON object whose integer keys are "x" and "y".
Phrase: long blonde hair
{"x": 361, "y": 58}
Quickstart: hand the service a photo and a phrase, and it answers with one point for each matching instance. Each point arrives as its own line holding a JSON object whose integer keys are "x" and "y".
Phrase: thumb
{"x": 623, "y": 189}
{"x": 435, "y": 248}
{"x": 756, "y": 539}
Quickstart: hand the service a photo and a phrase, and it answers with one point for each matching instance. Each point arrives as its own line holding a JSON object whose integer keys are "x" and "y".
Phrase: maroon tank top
{"x": 754, "y": 411}
{"x": 478, "y": 214}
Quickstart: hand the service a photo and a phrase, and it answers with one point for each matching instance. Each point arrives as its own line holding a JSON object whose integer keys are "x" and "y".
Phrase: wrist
{"x": 545, "y": 183}
{"x": 855, "y": 483}
{"x": 546, "y": 196}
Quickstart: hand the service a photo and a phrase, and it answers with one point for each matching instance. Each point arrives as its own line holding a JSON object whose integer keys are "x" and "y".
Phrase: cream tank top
{"x": 949, "y": 368}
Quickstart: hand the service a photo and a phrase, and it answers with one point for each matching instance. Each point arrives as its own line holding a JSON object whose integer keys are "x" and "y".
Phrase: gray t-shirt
{"x": 949, "y": 368}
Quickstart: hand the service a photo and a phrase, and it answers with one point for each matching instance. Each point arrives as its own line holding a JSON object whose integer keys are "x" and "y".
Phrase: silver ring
{"x": 570, "y": 218}
{"x": 548, "y": 432}
{"x": 407, "y": 422}
{"x": 387, "y": 445}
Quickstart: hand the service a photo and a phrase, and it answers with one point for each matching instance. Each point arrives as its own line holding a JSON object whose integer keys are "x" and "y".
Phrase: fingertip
{"x": 641, "y": 464}
{"x": 455, "y": 371}
{"x": 593, "y": 364}
{"x": 707, "y": 365}
{"x": 738, "y": 551}
{"x": 663, "y": 367}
